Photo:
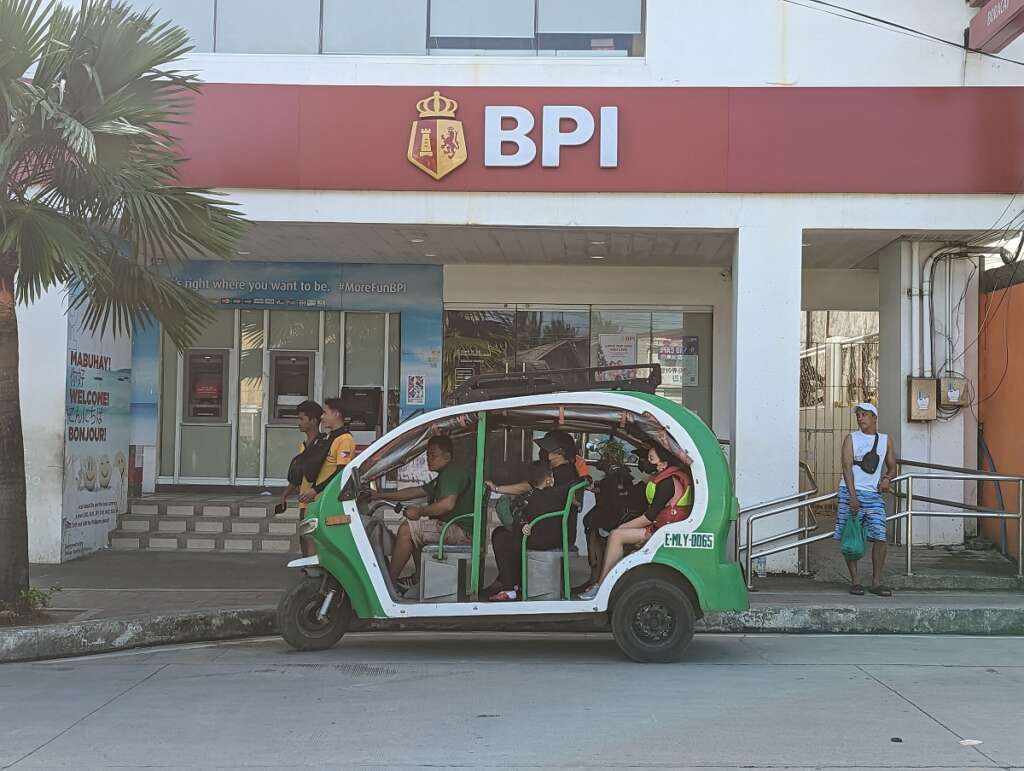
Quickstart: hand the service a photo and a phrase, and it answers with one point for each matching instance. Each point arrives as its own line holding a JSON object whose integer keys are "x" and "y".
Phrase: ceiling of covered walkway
{"x": 490, "y": 245}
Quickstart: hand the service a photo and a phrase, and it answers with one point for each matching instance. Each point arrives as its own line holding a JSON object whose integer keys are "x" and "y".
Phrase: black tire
{"x": 652, "y": 620}
{"x": 296, "y": 616}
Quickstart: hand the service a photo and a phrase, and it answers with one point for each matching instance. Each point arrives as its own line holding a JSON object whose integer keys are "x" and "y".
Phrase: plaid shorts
{"x": 872, "y": 513}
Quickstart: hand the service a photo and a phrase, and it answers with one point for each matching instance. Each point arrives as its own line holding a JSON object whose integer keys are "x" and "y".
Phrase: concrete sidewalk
{"x": 114, "y": 600}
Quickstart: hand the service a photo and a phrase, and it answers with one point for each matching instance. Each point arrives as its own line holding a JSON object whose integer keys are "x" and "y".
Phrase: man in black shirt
{"x": 543, "y": 499}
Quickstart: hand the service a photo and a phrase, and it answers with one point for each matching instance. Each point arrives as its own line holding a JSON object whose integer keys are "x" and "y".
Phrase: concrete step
{"x": 258, "y": 508}
{"x": 266, "y": 542}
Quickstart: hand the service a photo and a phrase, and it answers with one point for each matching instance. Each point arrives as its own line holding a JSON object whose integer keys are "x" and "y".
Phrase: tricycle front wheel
{"x": 297, "y": 615}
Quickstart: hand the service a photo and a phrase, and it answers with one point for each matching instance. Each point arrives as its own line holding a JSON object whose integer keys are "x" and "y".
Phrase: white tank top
{"x": 862, "y": 444}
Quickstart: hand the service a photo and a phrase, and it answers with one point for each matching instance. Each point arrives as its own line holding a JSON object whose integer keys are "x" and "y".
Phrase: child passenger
{"x": 542, "y": 497}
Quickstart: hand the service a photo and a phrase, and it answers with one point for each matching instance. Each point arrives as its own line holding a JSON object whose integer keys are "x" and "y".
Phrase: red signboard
{"x": 628, "y": 140}
{"x": 996, "y": 25}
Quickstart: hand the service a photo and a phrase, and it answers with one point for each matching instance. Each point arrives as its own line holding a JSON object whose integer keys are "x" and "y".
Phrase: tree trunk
{"x": 13, "y": 512}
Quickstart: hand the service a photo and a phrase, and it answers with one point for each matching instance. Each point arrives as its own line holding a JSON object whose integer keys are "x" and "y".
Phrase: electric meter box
{"x": 953, "y": 392}
{"x": 921, "y": 399}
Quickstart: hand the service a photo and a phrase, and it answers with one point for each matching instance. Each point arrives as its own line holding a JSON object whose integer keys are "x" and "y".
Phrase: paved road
{"x": 479, "y": 700}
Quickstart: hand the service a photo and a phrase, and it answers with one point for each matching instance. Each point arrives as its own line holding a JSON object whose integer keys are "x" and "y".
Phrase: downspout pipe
{"x": 915, "y": 309}
{"x": 926, "y": 290}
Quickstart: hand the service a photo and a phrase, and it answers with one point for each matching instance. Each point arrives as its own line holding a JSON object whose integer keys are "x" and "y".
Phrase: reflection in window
{"x": 206, "y": 385}
{"x": 475, "y": 342}
{"x": 547, "y": 340}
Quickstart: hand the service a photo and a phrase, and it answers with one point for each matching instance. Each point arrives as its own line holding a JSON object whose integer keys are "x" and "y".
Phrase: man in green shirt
{"x": 448, "y": 496}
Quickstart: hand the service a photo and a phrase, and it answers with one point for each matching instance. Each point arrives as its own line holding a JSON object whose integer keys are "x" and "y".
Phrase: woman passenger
{"x": 669, "y": 499}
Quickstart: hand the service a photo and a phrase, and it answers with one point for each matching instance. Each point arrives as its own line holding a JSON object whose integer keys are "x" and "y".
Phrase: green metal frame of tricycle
{"x": 478, "y": 508}
{"x": 564, "y": 513}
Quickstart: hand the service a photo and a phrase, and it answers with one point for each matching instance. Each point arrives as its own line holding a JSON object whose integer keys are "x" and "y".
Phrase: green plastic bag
{"x": 851, "y": 540}
{"x": 503, "y": 508}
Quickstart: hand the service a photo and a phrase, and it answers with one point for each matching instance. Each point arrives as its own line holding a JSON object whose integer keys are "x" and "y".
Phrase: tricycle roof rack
{"x": 501, "y": 385}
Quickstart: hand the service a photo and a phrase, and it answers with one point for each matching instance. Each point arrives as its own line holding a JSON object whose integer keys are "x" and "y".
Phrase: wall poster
{"x": 96, "y": 417}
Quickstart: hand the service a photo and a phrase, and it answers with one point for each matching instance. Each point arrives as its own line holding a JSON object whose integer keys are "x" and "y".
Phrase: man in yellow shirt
{"x": 341, "y": 449}
{"x": 328, "y": 455}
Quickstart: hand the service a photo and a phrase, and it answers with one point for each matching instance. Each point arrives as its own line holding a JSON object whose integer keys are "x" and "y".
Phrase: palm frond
{"x": 128, "y": 297}
{"x": 88, "y": 168}
{"x": 48, "y": 239}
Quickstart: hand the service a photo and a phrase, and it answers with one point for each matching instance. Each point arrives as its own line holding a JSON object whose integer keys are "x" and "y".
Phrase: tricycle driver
{"x": 449, "y": 495}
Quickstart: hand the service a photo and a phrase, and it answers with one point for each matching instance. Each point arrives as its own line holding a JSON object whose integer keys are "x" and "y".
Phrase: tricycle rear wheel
{"x": 652, "y": 620}
{"x": 297, "y": 615}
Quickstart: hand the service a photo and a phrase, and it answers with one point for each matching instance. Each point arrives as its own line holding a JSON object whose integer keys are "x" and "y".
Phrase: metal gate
{"x": 834, "y": 376}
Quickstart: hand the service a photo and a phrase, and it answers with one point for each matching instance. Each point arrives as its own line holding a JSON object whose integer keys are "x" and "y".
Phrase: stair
{"x": 241, "y": 526}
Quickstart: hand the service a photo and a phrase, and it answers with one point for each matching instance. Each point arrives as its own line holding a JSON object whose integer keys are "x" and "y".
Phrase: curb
{"x": 83, "y": 638}
{"x": 106, "y": 635}
{"x": 870, "y": 620}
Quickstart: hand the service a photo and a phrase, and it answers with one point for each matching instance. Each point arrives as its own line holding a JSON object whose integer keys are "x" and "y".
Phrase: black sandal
{"x": 857, "y": 589}
{"x": 881, "y": 590}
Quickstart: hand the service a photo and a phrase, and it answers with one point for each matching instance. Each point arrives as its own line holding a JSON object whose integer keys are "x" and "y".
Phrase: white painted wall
{"x": 723, "y": 211}
{"x": 42, "y": 341}
{"x": 689, "y": 43}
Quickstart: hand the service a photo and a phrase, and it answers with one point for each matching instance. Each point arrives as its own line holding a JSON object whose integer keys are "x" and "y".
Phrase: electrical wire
{"x": 891, "y": 26}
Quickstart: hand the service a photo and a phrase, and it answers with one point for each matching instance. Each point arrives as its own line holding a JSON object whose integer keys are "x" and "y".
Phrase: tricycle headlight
{"x": 307, "y": 526}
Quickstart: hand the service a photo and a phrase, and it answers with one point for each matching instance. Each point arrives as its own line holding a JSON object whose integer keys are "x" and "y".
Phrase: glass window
{"x": 332, "y": 353}
{"x": 381, "y": 27}
{"x": 168, "y": 406}
{"x": 552, "y": 339}
{"x": 294, "y": 330}
{"x": 681, "y": 343}
{"x": 482, "y": 18}
{"x": 593, "y": 17}
{"x": 394, "y": 367}
{"x": 291, "y": 383}
{"x": 220, "y": 333}
{"x": 206, "y": 379}
{"x": 364, "y": 349}
{"x": 476, "y": 342}
{"x": 268, "y": 26}
{"x": 195, "y": 16}
{"x": 250, "y": 393}
{"x": 620, "y": 338}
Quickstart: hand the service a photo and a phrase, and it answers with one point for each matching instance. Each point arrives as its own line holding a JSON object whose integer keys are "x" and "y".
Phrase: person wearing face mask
{"x": 669, "y": 496}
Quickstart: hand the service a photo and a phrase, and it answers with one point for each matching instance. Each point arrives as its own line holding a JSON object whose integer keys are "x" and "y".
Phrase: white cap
{"x": 867, "y": 407}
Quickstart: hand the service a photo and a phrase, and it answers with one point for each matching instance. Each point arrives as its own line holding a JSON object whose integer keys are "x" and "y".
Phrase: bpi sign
{"x": 437, "y": 140}
{"x": 499, "y": 136}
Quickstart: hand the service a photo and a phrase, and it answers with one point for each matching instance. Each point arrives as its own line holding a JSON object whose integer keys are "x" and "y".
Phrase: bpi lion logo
{"x": 437, "y": 143}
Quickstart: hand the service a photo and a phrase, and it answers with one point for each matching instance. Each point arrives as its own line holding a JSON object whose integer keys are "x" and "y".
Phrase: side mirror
{"x": 632, "y": 459}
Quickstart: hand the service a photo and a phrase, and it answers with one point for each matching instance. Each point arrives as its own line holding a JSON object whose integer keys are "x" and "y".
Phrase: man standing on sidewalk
{"x": 860, "y": 491}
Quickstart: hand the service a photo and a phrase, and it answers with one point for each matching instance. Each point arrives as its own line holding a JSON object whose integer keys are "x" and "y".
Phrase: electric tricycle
{"x": 650, "y": 599}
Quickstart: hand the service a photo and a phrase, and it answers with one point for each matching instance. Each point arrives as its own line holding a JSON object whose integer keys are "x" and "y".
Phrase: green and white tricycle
{"x": 650, "y": 600}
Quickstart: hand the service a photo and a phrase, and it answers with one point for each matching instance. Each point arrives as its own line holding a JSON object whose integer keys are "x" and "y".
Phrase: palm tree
{"x": 88, "y": 197}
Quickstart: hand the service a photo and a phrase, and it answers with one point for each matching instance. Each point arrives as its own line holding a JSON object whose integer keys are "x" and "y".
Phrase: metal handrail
{"x": 965, "y": 475}
{"x": 805, "y": 527}
{"x": 771, "y": 513}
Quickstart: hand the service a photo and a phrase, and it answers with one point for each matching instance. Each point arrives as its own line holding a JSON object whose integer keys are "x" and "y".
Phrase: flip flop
{"x": 857, "y": 589}
{"x": 881, "y": 590}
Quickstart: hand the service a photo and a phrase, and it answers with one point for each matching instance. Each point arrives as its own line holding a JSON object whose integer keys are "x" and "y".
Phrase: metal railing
{"x": 808, "y": 523}
{"x": 800, "y": 501}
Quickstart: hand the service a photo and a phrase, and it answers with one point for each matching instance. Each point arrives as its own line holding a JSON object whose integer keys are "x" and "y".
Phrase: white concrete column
{"x": 766, "y": 375}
